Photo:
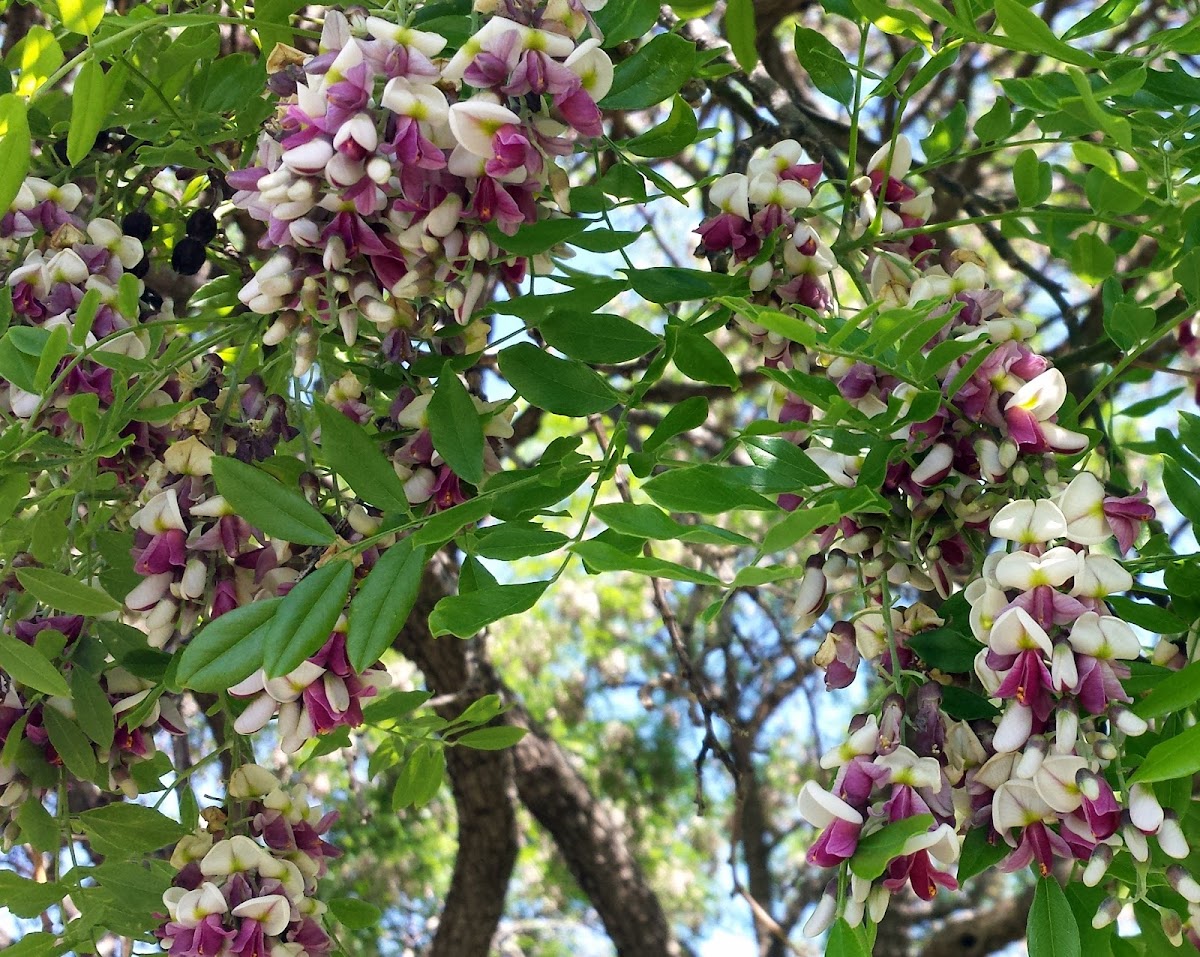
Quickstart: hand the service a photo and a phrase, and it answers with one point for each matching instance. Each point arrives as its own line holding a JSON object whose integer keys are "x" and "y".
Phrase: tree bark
{"x": 482, "y": 783}
{"x": 589, "y": 837}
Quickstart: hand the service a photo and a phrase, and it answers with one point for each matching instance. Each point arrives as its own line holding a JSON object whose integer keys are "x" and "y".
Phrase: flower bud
{"x": 1128, "y": 722}
{"x": 1171, "y": 838}
{"x": 1172, "y": 926}
{"x": 1097, "y": 867}
{"x": 824, "y": 914}
{"x": 1183, "y": 883}
{"x": 1108, "y": 911}
{"x": 1144, "y": 810}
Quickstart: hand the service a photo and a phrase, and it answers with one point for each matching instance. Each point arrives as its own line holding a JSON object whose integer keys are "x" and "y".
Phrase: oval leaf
{"x": 65, "y": 594}
{"x": 306, "y": 617}
{"x": 356, "y": 457}
{"x": 30, "y": 667}
{"x": 229, "y": 649}
{"x": 599, "y": 337}
{"x": 383, "y": 603}
{"x": 92, "y": 707}
{"x": 492, "y": 739}
{"x": 556, "y": 385}
{"x": 654, "y": 73}
{"x": 71, "y": 744}
{"x": 671, "y": 137}
{"x": 876, "y": 850}
{"x": 465, "y": 615}
{"x": 268, "y": 504}
{"x": 1176, "y": 757}
{"x": 15, "y": 144}
{"x": 455, "y": 428}
{"x": 88, "y": 101}
{"x": 1051, "y": 929}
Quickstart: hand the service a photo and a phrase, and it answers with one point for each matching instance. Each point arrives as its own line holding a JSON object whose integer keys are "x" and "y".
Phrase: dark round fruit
{"x": 188, "y": 256}
{"x": 142, "y": 267}
{"x": 139, "y": 225}
{"x": 202, "y": 225}
{"x": 152, "y": 299}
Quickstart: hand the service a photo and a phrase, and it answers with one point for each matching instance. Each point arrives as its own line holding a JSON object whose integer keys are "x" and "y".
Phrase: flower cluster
{"x": 74, "y": 273}
{"x": 251, "y": 894}
{"x": 323, "y": 693}
{"x": 28, "y": 767}
{"x": 389, "y": 163}
{"x": 198, "y": 558}
{"x": 971, "y": 412}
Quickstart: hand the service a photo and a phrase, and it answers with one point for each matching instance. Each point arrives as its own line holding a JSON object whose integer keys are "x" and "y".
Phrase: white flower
{"x": 731, "y": 194}
{"x": 193, "y": 906}
{"x": 895, "y": 160}
{"x": 231, "y": 856}
{"x": 1029, "y": 523}
{"x": 475, "y": 122}
{"x": 1055, "y": 782}
{"x": 1018, "y": 804}
{"x": 1100, "y": 576}
{"x": 820, "y": 808}
{"x": 593, "y": 66}
{"x": 1025, "y": 570}
{"x": 273, "y": 911}
{"x": 1104, "y": 637}
{"x": 861, "y": 741}
{"x": 1013, "y": 730}
{"x": 1016, "y": 631}
{"x": 1082, "y": 504}
{"x": 907, "y": 768}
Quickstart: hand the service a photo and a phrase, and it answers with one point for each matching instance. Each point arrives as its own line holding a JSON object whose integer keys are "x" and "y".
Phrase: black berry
{"x": 139, "y": 225}
{"x": 152, "y": 299}
{"x": 188, "y": 256}
{"x": 142, "y": 267}
{"x": 202, "y": 226}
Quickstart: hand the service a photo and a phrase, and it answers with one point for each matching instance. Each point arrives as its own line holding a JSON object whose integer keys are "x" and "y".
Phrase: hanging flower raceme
{"x": 132, "y": 714}
{"x": 390, "y": 163}
{"x": 251, "y": 893}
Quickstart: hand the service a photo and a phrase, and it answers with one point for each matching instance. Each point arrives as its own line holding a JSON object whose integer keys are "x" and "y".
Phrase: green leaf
{"x": 512, "y": 540}
{"x": 1029, "y": 33}
{"x": 30, "y": 667}
{"x": 896, "y": 20}
{"x": 492, "y": 739}
{"x": 785, "y": 464}
{"x": 687, "y": 415}
{"x": 92, "y": 707}
{"x": 129, "y": 831}
{"x": 1108, "y": 15}
{"x": 1126, "y": 323}
{"x": 1051, "y": 929}
{"x": 598, "y": 337}
{"x": 81, "y": 16}
{"x": 667, "y": 284}
{"x": 35, "y": 57}
{"x": 698, "y": 358}
{"x": 420, "y": 778}
{"x": 827, "y": 68}
{"x": 26, "y": 898}
{"x": 466, "y": 615}
{"x": 799, "y": 524}
{"x": 564, "y": 386}
{"x": 71, "y": 744}
{"x": 654, "y": 73}
{"x": 600, "y": 556}
{"x": 1031, "y": 178}
{"x": 56, "y": 348}
{"x": 876, "y": 850}
{"x": 1182, "y": 490}
{"x": 37, "y": 826}
{"x": 355, "y": 456}
{"x": 671, "y": 137}
{"x": 1178, "y": 690}
{"x": 306, "y": 617}
{"x": 966, "y": 705}
{"x": 1151, "y": 617}
{"x": 702, "y": 488}
{"x": 228, "y": 649}
{"x": 741, "y": 31}
{"x": 16, "y": 364}
{"x": 1176, "y": 757}
{"x": 268, "y": 504}
{"x": 844, "y": 941}
{"x": 89, "y": 100}
{"x": 946, "y": 649}
{"x": 648, "y": 521}
{"x": 65, "y": 594}
{"x": 383, "y": 603}
{"x": 354, "y": 913}
{"x": 539, "y": 237}
{"x": 625, "y": 21}
{"x": 978, "y": 854}
{"x": 455, "y": 428}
